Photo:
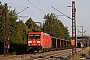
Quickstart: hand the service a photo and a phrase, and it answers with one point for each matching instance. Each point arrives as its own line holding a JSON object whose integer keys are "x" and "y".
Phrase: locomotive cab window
{"x": 31, "y": 36}
{"x": 37, "y": 35}
{"x": 34, "y": 36}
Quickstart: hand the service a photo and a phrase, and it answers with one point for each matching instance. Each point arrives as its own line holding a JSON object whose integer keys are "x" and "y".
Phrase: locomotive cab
{"x": 38, "y": 41}
{"x": 34, "y": 42}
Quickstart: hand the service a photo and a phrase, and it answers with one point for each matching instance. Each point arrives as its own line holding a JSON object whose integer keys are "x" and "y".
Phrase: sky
{"x": 38, "y": 8}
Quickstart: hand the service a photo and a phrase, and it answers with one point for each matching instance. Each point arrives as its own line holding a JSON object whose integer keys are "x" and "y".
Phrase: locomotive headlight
{"x": 29, "y": 44}
{"x": 38, "y": 41}
{"x": 29, "y": 41}
{"x": 38, "y": 44}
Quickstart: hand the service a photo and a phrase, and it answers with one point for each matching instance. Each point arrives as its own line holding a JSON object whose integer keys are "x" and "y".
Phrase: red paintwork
{"x": 45, "y": 40}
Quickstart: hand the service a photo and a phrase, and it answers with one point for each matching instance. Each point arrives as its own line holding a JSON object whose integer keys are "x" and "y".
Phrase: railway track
{"x": 53, "y": 55}
{"x": 40, "y": 56}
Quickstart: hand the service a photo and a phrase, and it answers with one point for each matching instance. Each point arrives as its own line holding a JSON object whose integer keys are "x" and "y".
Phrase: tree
{"x": 51, "y": 25}
{"x": 31, "y": 25}
{"x": 66, "y": 33}
{"x": 12, "y": 25}
{"x": 1, "y": 22}
{"x": 55, "y": 27}
{"x": 64, "y": 30}
{"x": 17, "y": 31}
{"x": 21, "y": 35}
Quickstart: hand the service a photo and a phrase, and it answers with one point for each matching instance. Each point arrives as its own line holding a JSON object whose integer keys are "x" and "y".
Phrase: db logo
{"x": 34, "y": 41}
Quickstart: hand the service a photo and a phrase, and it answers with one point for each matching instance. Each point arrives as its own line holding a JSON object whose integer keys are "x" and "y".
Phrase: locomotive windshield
{"x": 34, "y": 36}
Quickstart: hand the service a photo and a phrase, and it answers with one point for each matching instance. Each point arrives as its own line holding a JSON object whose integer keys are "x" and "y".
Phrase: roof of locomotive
{"x": 36, "y": 32}
{"x": 46, "y": 34}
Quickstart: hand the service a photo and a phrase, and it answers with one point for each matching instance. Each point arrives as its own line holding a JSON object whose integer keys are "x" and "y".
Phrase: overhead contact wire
{"x": 44, "y": 4}
{"x": 35, "y": 7}
{"x": 33, "y": 13}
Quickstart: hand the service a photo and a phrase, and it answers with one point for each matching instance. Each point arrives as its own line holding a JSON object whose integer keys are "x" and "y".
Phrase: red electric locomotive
{"x": 38, "y": 41}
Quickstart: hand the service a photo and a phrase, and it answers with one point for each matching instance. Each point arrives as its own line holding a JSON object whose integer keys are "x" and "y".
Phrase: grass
{"x": 81, "y": 55}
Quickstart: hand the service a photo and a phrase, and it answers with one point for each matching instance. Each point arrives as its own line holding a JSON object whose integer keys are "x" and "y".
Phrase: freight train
{"x": 42, "y": 41}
